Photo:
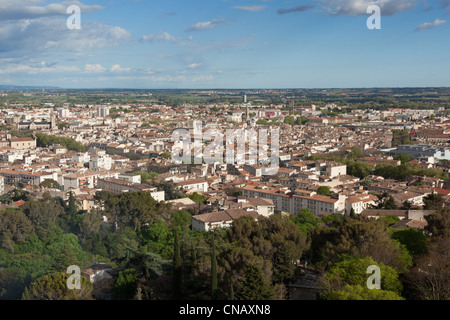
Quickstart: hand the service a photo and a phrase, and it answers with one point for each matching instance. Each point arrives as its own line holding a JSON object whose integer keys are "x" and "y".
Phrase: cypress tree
{"x": 213, "y": 270}
{"x": 177, "y": 268}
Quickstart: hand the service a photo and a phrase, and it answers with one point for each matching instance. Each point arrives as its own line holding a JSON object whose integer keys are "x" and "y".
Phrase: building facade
{"x": 292, "y": 202}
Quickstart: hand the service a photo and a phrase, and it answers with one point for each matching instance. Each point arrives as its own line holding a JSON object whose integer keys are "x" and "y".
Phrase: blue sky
{"x": 225, "y": 44}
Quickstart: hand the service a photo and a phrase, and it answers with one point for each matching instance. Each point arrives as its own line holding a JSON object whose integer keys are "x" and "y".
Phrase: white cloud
{"x": 160, "y": 37}
{"x": 254, "y": 8}
{"x": 359, "y": 7}
{"x": 429, "y": 25}
{"x": 43, "y": 35}
{"x": 94, "y": 68}
{"x": 202, "y": 26}
{"x": 39, "y": 68}
{"x": 118, "y": 68}
{"x": 30, "y": 9}
{"x": 194, "y": 65}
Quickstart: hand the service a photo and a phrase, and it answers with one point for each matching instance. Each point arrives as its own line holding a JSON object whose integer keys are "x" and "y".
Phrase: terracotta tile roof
{"x": 408, "y": 223}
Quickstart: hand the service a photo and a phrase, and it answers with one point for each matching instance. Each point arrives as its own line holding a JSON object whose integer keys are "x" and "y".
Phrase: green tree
{"x": 12, "y": 284}
{"x": 438, "y": 223}
{"x": 165, "y": 155}
{"x": 171, "y": 191}
{"x": 359, "y": 169}
{"x": 274, "y": 239}
{"x": 414, "y": 240}
{"x": 305, "y": 221}
{"x": 132, "y": 209}
{"x": 289, "y": 120}
{"x": 391, "y": 220}
{"x": 302, "y": 120}
{"x": 358, "y": 292}
{"x": 126, "y": 284}
{"x": 42, "y": 214}
{"x": 180, "y": 219}
{"x": 198, "y": 199}
{"x": 324, "y": 191}
{"x": 358, "y": 238}
{"x": 177, "y": 277}
{"x": 352, "y": 270}
{"x": 214, "y": 279}
{"x": 254, "y": 286}
{"x": 403, "y": 158}
{"x": 232, "y": 268}
{"x": 158, "y": 238}
{"x": 433, "y": 201}
{"x": 355, "y": 153}
{"x": 406, "y": 205}
{"x": 54, "y": 287}
{"x": 143, "y": 272}
{"x": 50, "y": 183}
{"x": 72, "y": 207}
{"x": 15, "y": 228}
{"x": 386, "y": 201}
{"x": 90, "y": 223}
{"x": 65, "y": 258}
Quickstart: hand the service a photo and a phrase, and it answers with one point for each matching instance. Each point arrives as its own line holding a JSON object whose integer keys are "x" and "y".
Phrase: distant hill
{"x": 13, "y": 87}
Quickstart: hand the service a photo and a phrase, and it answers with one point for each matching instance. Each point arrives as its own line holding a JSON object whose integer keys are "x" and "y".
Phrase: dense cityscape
{"x": 87, "y": 179}
{"x": 224, "y": 158}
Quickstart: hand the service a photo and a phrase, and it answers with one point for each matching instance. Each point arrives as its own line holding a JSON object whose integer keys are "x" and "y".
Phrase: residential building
{"x": 97, "y": 163}
{"x": 264, "y": 207}
{"x": 218, "y": 219}
{"x": 23, "y": 143}
{"x": 26, "y": 177}
{"x": 423, "y": 151}
{"x": 195, "y": 185}
{"x": 292, "y": 202}
{"x": 359, "y": 203}
{"x": 134, "y": 178}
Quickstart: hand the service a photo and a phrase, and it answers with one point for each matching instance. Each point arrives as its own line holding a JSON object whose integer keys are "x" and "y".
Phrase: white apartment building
{"x": 102, "y": 111}
{"x": 27, "y": 177}
{"x": 359, "y": 203}
{"x": 86, "y": 180}
{"x": 235, "y": 117}
{"x": 12, "y": 156}
{"x": 134, "y": 178}
{"x": 196, "y": 185}
{"x": 63, "y": 113}
{"x": 218, "y": 219}
{"x": 81, "y": 158}
{"x": 100, "y": 163}
{"x": 292, "y": 202}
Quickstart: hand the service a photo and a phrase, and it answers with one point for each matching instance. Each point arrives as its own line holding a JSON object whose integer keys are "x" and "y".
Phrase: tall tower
{"x": 292, "y": 107}
{"x": 52, "y": 120}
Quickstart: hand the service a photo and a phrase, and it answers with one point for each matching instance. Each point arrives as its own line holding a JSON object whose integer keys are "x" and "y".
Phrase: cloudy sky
{"x": 225, "y": 44}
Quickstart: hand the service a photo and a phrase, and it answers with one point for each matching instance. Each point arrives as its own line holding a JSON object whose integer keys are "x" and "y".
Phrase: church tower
{"x": 52, "y": 120}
